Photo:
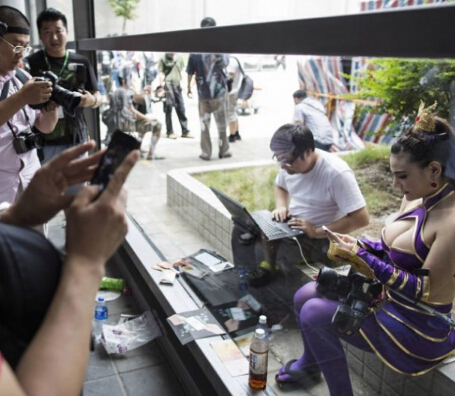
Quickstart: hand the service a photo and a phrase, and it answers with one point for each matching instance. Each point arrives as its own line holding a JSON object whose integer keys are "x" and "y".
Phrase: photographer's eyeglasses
{"x": 17, "y": 49}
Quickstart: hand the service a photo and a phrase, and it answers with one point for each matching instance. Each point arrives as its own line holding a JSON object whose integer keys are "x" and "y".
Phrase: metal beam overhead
{"x": 422, "y": 32}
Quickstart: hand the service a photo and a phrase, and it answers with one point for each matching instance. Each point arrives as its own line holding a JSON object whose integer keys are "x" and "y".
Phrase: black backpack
{"x": 247, "y": 85}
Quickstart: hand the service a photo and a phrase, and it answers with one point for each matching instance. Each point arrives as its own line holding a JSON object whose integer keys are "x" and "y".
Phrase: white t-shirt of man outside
{"x": 325, "y": 194}
{"x": 312, "y": 113}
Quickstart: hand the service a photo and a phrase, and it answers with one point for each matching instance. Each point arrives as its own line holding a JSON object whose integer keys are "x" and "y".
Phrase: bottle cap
{"x": 263, "y": 319}
{"x": 101, "y": 299}
{"x": 259, "y": 333}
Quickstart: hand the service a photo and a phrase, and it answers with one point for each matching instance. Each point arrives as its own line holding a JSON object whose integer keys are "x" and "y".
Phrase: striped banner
{"x": 372, "y": 127}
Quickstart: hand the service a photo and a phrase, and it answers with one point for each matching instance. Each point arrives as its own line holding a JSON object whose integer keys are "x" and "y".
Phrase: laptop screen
{"x": 238, "y": 211}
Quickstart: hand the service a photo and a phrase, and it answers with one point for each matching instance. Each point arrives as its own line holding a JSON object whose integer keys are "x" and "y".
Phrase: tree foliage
{"x": 125, "y": 9}
{"x": 400, "y": 84}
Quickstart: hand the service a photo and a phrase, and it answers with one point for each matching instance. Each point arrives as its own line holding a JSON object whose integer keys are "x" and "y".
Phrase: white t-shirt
{"x": 312, "y": 113}
{"x": 325, "y": 194}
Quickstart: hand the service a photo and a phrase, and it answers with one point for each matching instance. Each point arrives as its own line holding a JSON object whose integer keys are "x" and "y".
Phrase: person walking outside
{"x": 170, "y": 74}
{"x": 211, "y": 80}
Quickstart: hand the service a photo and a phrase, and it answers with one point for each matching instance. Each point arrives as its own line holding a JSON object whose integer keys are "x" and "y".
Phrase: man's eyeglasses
{"x": 285, "y": 162}
{"x": 17, "y": 49}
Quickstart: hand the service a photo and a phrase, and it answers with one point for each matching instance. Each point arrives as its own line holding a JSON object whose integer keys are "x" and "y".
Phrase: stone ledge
{"x": 199, "y": 207}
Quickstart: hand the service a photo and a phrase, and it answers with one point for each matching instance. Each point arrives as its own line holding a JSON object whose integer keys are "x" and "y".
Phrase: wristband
{"x": 96, "y": 101}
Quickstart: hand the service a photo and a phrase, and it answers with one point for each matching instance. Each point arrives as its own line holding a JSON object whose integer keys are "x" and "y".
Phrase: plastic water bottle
{"x": 243, "y": 280}
{"x": 262, "y": 324}
{"x": 101, "y": 315}
{"x": 259, "y": 351}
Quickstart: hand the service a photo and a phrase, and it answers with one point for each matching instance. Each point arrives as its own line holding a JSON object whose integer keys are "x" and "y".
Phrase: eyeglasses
{"x": 285, "y": 162}
{"x": 17, "y": 49}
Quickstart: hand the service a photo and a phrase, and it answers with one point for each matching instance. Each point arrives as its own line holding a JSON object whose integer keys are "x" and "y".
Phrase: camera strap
{"x": 4, "y": 95}
{"x": 65, "y": 62}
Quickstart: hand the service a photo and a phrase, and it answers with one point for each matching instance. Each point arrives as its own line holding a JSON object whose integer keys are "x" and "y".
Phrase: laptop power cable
{"x": 303, "y": 256}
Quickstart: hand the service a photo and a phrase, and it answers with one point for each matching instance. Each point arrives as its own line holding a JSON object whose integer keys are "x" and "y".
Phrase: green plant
{"x": 400, "y": 84}
{"x": 125, "y": 9}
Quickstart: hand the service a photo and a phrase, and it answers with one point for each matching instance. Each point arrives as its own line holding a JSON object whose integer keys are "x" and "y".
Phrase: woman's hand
{"x": 344, "y": 241}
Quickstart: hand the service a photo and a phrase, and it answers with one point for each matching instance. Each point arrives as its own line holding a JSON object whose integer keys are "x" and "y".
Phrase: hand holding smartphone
{"x": 120, "y": 146}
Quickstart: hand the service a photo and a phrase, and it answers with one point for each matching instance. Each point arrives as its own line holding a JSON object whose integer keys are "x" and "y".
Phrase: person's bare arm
{"x": 91, "y": 99}
{"x": 55, "y": 362}
{"x": 47, "y": 120}
{"x": 352, "y": 221}
{"x": 190, "y": 79}
{"x": 281, "y": 211}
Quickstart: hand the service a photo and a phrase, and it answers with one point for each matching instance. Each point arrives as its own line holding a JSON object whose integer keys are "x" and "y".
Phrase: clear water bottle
{"x": 259, "y": 351}
{"x": 243, "y": 280}
{"x": 262, "y": 324}
{"x": 101, "y": 316}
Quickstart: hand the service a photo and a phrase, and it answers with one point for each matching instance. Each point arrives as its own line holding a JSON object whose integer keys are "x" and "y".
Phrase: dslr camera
{"x": 28, "y": 140}
{"x": 355, "y": 292}
{"x": 69, "y": 100}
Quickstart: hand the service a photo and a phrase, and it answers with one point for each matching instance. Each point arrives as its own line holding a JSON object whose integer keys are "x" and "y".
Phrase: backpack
{"x": 118, "y": 115}
{"x": 247, "y": 85}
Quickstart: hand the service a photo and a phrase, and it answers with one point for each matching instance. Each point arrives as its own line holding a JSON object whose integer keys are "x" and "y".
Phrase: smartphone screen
{"x": 119, "y": 147}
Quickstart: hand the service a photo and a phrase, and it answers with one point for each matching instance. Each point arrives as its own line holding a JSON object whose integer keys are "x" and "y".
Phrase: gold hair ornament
{"x": 425, "y": 117}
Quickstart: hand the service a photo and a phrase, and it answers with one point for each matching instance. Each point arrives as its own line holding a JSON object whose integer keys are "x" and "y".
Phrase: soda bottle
{"x": 259, "y": 350}
{"x": 117, "y": 284}
{"x": 101, "y": 315}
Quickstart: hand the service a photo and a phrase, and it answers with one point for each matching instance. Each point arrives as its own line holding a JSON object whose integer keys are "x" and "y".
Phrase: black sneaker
{"x": 237, "y": 136}
{"x": 231, "y": 138}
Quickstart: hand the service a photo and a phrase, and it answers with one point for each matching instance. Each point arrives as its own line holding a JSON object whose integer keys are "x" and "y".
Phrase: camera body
{"x": 28, "y": 140}
{"x": 69, "y": 100}
{"x": 355, "y": 292}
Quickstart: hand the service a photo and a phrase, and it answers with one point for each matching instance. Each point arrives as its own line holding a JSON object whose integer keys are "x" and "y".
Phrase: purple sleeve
{"x": 414, "y": 286}
{"x": 374, "y": 247}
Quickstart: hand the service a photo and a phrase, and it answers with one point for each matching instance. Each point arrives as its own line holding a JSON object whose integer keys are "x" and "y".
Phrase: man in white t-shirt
{"x": 310, "y": 112}
{"x": 313, "y": 188}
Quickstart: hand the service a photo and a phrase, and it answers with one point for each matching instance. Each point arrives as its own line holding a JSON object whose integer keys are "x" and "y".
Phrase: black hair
{"x": 51, "y": 14}
{"x": 12, "y": 17}
{"x": 208, "y": 22}
{"x": 300, "y": 94}
{"x": 299, "y": 136}
{"x": 424, "y": 147}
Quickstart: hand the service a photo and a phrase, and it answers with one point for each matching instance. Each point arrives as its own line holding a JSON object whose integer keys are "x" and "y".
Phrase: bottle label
{"x": 258, "y": 362}
{"x": 100, "y": 313}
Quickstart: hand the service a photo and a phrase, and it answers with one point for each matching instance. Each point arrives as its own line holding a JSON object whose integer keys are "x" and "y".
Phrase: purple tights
{"x": 321, "y": 341}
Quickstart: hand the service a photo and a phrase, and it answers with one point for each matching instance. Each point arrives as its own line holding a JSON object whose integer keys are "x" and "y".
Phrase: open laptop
{"x": 261, "y": 219}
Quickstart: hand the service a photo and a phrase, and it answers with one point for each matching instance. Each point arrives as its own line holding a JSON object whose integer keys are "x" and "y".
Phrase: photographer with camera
{"x": 408, "y": 324}
{"x": 19, "y": 138}
{"x": 73, "y": 79}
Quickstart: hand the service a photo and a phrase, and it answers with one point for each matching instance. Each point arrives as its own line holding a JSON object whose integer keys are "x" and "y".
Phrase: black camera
{"x": 69, "y": 100}
{"x": 355, "y": 292}
{"x": 28, "y": 140}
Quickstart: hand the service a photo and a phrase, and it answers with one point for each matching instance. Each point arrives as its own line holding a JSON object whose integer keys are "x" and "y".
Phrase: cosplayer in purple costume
{"x": 406, "y": 338}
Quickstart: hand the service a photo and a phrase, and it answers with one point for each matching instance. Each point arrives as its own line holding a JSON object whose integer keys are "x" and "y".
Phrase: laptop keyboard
{"x": 268, "y": 227}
